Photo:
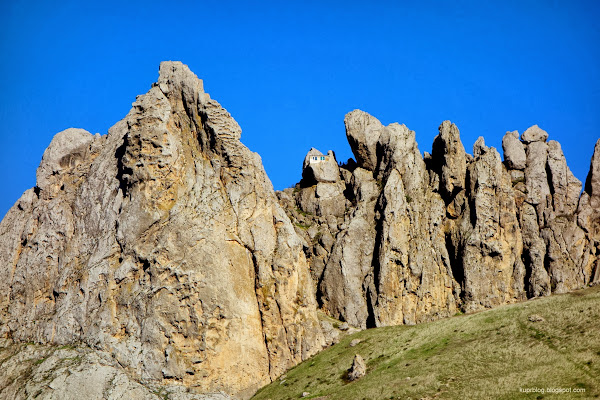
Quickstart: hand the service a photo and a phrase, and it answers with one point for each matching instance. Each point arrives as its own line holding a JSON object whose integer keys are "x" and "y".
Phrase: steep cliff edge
{"x": 415, "y": 238}
{"x": 163, "y": 244}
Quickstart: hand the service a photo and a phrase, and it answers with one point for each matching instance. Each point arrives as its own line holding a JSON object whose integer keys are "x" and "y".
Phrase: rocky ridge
{"x": 162, "y": 244}
{"x": 423, "y": 237}
{"x": 159, "y": 260}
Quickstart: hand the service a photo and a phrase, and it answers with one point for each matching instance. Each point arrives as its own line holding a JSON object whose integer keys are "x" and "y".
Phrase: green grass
{"x": 41, "y": 360}
{"x": 486, "y": 355}
{"x": 303, "y": 213}
{"x": 161, "y": 393}
{"x": 302, "y": 226}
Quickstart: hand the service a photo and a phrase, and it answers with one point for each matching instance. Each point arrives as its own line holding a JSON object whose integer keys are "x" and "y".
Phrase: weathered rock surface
{"x": 565, "y": 187}
{"x": 422, "y": 237}
{"x": 588, "y": 218}
{"x": 411, "y": 280}
{"x": 319, "y": 170}
{"x": 534, "y": 134}
{"x": 75, "y": 372}
{"x": 350, "y": 258}
{"x": 452, "y": 168}
{"x": 362, "y": 131}
{"x": 332, "y": 335}
{"x": 592, "y": 183}
{"x": 164, "y": 244}
{"x": 67, "y": 149}
{"x": 492, "y": 244}
{"x": 514, "y": 151}
{"x": 358, "y": 368}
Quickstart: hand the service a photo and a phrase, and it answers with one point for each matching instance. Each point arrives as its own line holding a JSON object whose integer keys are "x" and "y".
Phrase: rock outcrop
{"x": 162, "y": 243}
{"x": 358, "y": 368}
{"x": 588, "y": 218}
{"x": 319, "y": 168}
{"x": 411, "y": 279}
{"x": 349, "y": 259}
{"x": 423, "y": 237}
{"x": 159, "y": 257}
{"x": 74, "y": 372}
{"x": 514, "y": 151}
{"x": 363, "y": 131}
{"x": 452, "y": 166}
{"x": 490, "y": 236}
{"x": 548, "y": 195}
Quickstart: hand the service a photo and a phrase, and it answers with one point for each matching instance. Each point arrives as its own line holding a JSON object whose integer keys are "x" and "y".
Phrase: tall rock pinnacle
{"x": 164, "y": 244}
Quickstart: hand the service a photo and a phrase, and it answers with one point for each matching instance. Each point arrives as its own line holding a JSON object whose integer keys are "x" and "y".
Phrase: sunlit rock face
{"x": 162, "y": 243}
{"x": 163, "y": 253}
{"x": 425, "y": 236}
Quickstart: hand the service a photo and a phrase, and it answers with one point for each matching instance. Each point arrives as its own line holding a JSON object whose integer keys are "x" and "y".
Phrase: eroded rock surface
{"x": 358, "y": 368}
{"x": 514, "y": 151}
{"x": 163, "y": 247}
{"x": 319, "y": 168}
{"x": 75, "y": 372}
{"x": 363, "y": 131}
{"x": 422, "y": 237}
{"x": 448, "y": 149}
{"x": 164, "y": 244}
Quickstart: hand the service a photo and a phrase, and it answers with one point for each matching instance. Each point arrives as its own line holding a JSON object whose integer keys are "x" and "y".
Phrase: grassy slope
{"x": 486, "y": 355}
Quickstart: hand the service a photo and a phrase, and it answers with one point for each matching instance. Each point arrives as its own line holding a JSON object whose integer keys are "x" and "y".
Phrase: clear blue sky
{"x": 289, "y": 71}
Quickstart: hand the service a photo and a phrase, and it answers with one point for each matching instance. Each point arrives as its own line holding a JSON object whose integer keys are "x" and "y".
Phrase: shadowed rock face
{"x": 164, "y": 244}
{"x": 588, "y": 218}
{"x": 426, "y": 236}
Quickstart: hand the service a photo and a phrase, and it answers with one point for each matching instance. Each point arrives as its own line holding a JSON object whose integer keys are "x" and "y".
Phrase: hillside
{"x": 163, "y": 247}
{"x": 486, "y": 355}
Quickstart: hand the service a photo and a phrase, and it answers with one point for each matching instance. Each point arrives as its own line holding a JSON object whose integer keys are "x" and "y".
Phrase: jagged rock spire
{"x": 163, "y": 244}
{"x": 363, "y": 131}
{"x": 450, "y": 231}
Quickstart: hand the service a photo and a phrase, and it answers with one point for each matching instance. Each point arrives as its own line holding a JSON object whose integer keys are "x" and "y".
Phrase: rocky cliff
{"x": 157, "y": 259}
{"x": 402, "y": 238}
{"x": 162, "y": 244}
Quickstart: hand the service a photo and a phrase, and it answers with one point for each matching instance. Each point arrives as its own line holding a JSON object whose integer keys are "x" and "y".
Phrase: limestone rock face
{"x": 163, "y": 247}
{"x": 411, "y": 280}
{"x": 77, "y": 372}
{"x": 422, "y": 237}
{"x": 588, "y": 218}
{"x": 491, "y": 257}
{"x": 514, "y": 151}
{"x": 534, "y": 134}
{"x": 321, "y": 169}
{"x": 536, "y": 178}
{"x": 565, "y": 187}
{"x": 592, "y": 183}
{"x": 547, "y": 195}
{"x": 448, "y": 148}
{"x": 164, "y": 244}
{"x": 67, "y": 149}
{"x": 534, "y": 252}
{"x": 350, "y": 259}
{"x": 362, "y": 131}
